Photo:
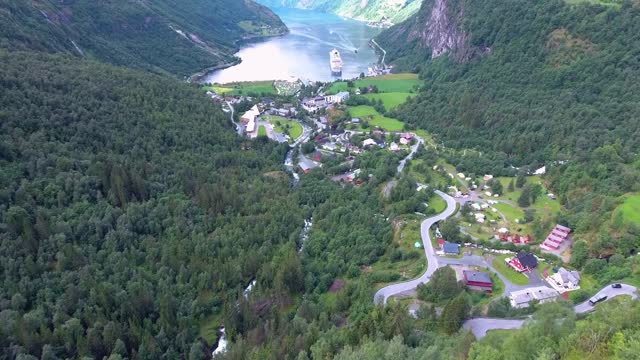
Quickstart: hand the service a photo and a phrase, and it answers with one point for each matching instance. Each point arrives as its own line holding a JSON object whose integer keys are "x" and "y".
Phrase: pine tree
{"x": 521, "y": 180}
{"x": 525, "y": 197}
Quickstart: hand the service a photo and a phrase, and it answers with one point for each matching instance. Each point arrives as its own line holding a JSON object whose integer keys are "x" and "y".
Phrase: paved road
{"x": 610, "y": 293}
{"x": 480, "y": 326}
{"x": 383, "y": 294}
{"x": 386, "y": 191}
{"x": 474, "y": 260}
{"x": 239, "y": 127}
{"x": 414, "y": 148}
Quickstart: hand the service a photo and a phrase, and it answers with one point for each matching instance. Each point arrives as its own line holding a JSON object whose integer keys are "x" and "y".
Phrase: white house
{"x": 564, "y": 280}
{"x": 250, "y": 115}
{"x": 522, "y": 298}
{"x": 540, "y": 171}
{"x": 394, "y": 147}
{"x": 368, "y": 142}
{"x": 340, "y": 97}
{"x": 251, "y": 126}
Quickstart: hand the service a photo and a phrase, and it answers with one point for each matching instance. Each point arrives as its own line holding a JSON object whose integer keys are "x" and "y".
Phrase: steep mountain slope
{"x": 394, "y": 11}
{"x": 160, "y": 35}
{"x": 530, "y": 83}
{"x": 129, "y": 211}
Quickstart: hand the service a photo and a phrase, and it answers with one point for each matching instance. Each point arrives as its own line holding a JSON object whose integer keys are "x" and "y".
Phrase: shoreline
{"x": 198, "y": 76}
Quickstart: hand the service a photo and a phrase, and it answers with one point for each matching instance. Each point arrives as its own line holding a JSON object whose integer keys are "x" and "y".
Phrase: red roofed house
{"x": 477, "y": 280}
{"x": 440, "y": 243}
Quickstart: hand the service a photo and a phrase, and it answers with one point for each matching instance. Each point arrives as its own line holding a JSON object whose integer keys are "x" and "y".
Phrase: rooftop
{"x": 477, "y": 276}
{"x": 527, "y": 260}
{"x": 451, "y": 248}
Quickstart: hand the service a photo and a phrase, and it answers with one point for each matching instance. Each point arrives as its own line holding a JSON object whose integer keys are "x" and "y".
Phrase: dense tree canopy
{"x": 125, "y": 216}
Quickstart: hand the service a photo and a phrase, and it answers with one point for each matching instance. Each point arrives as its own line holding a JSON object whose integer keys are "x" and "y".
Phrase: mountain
{"x": 530, "y": 83}
{"x": 167, "y": 36}
{"x": 129, "y": 210}
{"x": 393, "y": 11}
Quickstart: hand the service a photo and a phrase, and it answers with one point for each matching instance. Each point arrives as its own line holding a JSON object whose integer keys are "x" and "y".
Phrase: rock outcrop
{"x": 439, "y": 29}
{"x": 434, "y": 31}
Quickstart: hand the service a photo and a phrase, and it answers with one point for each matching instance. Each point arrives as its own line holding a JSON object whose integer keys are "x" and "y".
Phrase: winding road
{"x": 239, "y": 127}
{"x": 384, "y": 293}
{"x": 480, "y": 326}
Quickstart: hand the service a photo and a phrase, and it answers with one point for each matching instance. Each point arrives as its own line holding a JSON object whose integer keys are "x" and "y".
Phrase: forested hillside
{"x": 558, "y": 85}
{"x": 129, "y": 211}
{"x": 371, "y": 10}
{"x": 170, "y": 36}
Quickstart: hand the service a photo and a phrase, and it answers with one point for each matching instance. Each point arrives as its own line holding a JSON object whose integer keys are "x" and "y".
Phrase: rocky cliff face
{"x": 434, "y": 31}
{"x": 439, "y": 29}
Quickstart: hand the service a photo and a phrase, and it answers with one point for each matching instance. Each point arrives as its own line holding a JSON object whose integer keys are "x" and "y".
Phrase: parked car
{"x": 616, "y": 286}
{"x": 596, "y": 299}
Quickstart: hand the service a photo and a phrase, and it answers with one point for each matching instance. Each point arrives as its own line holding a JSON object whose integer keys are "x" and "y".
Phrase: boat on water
{"x": 335, "y": 61}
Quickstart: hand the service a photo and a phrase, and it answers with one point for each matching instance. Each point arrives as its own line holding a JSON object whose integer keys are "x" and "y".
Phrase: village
{"x": 329, "y": 128}
{"x": 318, "y": 126}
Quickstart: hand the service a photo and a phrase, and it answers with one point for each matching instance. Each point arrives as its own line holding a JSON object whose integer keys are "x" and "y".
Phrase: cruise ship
{"x": 335, "y": 61}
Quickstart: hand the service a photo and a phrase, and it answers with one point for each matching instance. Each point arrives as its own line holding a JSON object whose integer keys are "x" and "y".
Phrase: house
{"x": 340, "y": 97}
{"x": 305, "y": 167}
{"x": 440, "y": 243}
{"x": 355, "y": 120}
{"x": 557, "y": 236}
{"x": 527, "y": 260}
{"x": 522, "y": 298}
{"x": 369, "y": 142}
{"x": 250, "y": 115}
{"x": 267, "y": 102}
{"x": 564, "y": 280}
{"x": 317, "y": 156}
{"x": 394, "y": 147}
{"x": 404, "y": 141}
{"x": 282, "y": 112}
{"x": 251, "y": 126}
{"x": 540, "y": 171}
{"x": 320, "y": 101}
{"x": 477, "y": 280}
{"x": 450, "y": 248}
{"x": 330, "y": 146}
{"x": 487, "y": 177}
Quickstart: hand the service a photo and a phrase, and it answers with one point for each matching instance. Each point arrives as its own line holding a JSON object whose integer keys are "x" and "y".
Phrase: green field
{"x": 400, "y": 83}
{"x": 243, "y": 88}
{"x": 631, "y": 209}
{"x": 543, "y": 204}
{"x": 437, "y": 203}
{"x": 368, "y": 113}
{"x": 390, "y": 100}
{"x": 262, "y": 131}
{"x": 281, "y": 125}
{"x": 511, "y": 275}
{"x": 511, "y": 212}
{"x": 404, "y": 239}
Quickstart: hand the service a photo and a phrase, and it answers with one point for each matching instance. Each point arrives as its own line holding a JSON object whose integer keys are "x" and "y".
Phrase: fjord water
{"x": 304, "y": 52}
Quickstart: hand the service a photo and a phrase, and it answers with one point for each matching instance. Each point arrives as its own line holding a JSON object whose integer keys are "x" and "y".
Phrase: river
{"x": 304, "y": 52}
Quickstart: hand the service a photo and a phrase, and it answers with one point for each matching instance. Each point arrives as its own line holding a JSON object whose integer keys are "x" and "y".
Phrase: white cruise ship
{"x": 335, "y": 61}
